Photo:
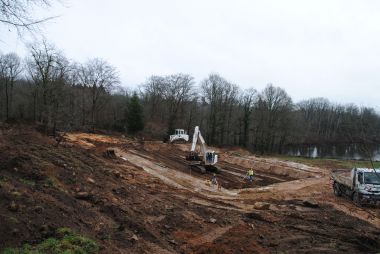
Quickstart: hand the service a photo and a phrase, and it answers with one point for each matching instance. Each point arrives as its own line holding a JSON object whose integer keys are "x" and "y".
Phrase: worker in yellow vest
{"x": 250, "y": 174}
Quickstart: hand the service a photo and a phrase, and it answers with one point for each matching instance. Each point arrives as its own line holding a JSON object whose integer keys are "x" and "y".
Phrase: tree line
{"x": 59, "y": 94}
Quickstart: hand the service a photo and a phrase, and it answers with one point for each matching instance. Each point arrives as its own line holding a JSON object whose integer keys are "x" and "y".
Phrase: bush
{"x": 67, "y": 242}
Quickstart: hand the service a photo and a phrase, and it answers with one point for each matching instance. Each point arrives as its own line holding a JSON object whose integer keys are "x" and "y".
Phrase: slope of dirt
{"x": 127, "y": 207}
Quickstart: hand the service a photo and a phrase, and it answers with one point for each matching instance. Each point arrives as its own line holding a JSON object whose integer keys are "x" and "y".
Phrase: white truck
{"x": 362, "y": 185}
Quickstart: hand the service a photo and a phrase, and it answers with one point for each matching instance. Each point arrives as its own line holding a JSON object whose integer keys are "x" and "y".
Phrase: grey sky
{"x": 311, "y": 48}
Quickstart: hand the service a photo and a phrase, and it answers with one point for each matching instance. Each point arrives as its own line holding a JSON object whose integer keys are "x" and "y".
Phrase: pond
{"x": 347, "y": 152}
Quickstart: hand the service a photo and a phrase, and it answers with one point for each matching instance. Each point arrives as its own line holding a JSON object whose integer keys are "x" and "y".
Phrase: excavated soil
{"x": 231, "y": 176}
{"x": 146, "y": 200}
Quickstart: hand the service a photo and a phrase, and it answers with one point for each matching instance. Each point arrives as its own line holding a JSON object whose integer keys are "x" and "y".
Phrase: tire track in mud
{"x": 209, "y": 237}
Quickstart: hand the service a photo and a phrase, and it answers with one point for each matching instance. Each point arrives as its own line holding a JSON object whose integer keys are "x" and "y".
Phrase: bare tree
{"x": 153, "y": 90}
{"x": 178, "y": 88}
{"x": 100, "y": 77}
{"x": 272, "y": 123}
{"x": 10, "y": 69}
{"x": 166, "y": 98}
{"x": 247, "y": 100}
{"x": 48, "y": 68}
{"x": 221, "y": 98}
{"x": 20, "y": 13}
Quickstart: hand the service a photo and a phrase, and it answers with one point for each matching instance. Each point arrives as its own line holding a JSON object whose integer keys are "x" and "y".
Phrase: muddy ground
{"x": 146, "y": 200}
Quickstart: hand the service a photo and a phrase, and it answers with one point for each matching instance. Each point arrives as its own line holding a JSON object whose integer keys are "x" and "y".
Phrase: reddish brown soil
{"x": 40, "y": 184}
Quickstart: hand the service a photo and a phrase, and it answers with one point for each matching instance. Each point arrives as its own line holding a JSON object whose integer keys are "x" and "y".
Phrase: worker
{"x": 209, "y": 157}
{"x": 214, "y": 180}
{"x": 250, "y": 174}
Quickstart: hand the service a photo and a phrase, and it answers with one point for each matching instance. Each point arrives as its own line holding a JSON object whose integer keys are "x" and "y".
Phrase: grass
{"x": 50, "y": 182}
{"x": 3, "y": 181}
{"x": 54, "y": 183}
{"x": 330, "y": 163}
{"x": 16, "y": 193}
{"x": 28, "y": 182}
{"x": 13, "y": 220}
{"x": 67, "y": 242}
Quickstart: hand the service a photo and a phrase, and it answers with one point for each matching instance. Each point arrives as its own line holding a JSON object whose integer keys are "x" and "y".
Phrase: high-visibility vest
{"x": 250, "y": 172}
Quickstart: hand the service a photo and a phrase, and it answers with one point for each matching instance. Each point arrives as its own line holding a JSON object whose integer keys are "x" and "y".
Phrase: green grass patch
{"x": 330, "y": 163}
{"x": 50, "y": 182}
{"x": 13, "y": 220}
{"x": 16, "y": 193}
{"x": 66, "y": 242}
{"x": 53, "y": 182}
{"x": 3, "y": 181}
{"x": 28, "y": 182}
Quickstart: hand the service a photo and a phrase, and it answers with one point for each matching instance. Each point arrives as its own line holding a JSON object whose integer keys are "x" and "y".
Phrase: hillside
{"x": 146, "y": 200}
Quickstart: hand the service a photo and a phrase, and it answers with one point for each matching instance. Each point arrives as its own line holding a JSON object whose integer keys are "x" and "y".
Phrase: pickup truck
{"x": 362, "y": 185}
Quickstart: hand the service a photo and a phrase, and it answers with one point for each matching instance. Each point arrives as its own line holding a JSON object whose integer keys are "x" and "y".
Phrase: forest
{"x": 58, "y": 94}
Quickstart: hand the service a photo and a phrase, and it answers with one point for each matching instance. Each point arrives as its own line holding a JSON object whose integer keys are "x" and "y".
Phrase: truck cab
{"x": 361, "y": 184}
{"x": 366, "y": 184}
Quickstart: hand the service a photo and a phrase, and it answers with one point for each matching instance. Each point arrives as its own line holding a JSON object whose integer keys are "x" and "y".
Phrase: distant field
{"x": 329, "y": 163}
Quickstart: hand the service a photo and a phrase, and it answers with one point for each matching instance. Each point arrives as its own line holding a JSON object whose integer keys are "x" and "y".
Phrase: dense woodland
{"x": 56, "y": 93}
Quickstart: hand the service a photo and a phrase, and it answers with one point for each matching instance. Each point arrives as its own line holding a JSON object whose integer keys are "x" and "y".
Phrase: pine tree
{"x": 135, "y": 121}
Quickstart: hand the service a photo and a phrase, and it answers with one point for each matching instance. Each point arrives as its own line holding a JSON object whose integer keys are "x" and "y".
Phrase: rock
{"x": 310, "y": 203}
{"x": 255, "y": 216}
{"x": 90, "y": 180}
{"x": 134, "y": 237}
{"x": 38, "y": 209}
{"x": 15, "y": 231}
{"x": 172, "y": 242}
{"x": 167, "y": 227}
{"x": 44, "y": 229}
{"x": 13, "y": 207}
{"x": 261, "y": 206}
{"x": 82, "y": 195}
{"x": 212, "y": 220}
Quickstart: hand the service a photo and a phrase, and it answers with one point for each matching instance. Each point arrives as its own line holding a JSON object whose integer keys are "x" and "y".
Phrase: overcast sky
{"x": 310, "y": 48}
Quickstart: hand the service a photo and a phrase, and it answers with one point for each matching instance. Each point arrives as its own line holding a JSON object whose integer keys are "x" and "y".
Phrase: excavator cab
{"x": 211, "y": 158}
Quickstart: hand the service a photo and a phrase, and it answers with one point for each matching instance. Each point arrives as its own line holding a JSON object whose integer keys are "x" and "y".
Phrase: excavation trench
{"x": 168, "y": 163}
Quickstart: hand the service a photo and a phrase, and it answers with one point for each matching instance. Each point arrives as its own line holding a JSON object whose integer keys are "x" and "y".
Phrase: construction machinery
{"x": 362, "y": 185}
{"x": 180, "y": 135}
{"x": 200, "y": 156}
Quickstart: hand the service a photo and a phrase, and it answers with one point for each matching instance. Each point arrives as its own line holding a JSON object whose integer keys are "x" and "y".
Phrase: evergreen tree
{"x": 135, "y": 120}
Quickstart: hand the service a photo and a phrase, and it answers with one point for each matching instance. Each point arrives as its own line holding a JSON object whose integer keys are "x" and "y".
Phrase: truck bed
{"x": 342, "y": 176}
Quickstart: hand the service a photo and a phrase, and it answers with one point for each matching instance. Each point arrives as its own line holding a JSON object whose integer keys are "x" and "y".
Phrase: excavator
{"x": 201, "y": 157}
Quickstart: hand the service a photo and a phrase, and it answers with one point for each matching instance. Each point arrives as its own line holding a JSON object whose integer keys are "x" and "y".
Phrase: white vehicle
{"x": 362, "y": 185}
{"x": 179, "y": 135}
{"x": 203, "y": 158}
